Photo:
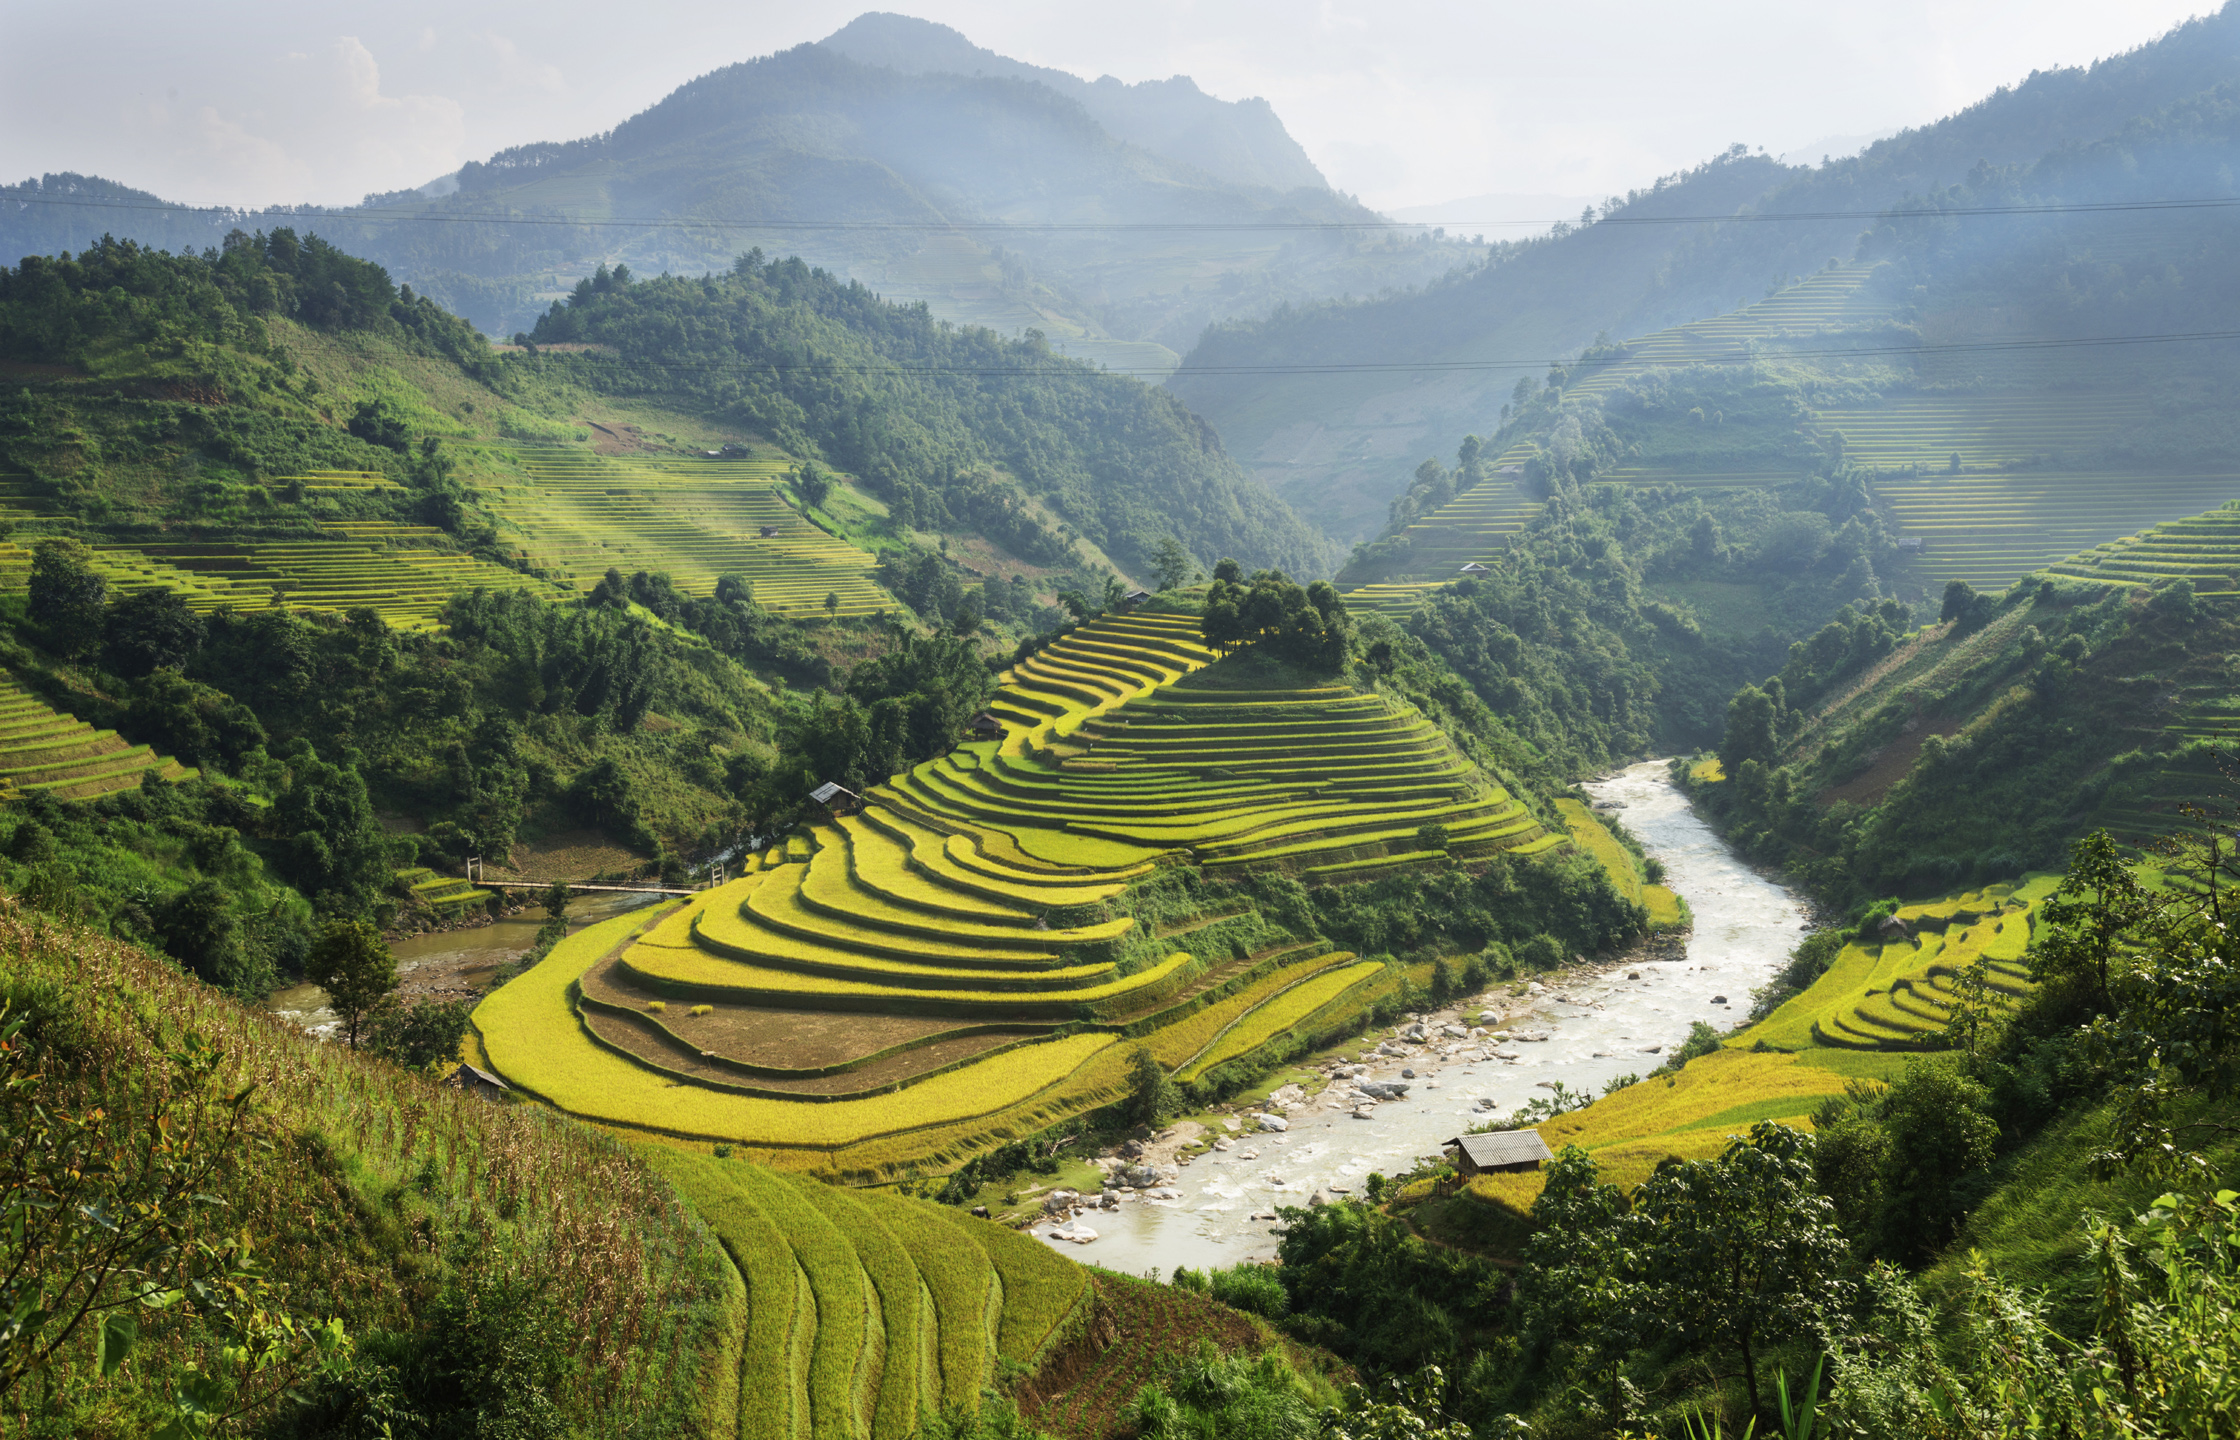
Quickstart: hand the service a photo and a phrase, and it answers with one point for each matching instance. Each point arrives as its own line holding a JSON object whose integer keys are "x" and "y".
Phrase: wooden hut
{"x": 478, "y": 1082}
{"x": 837, "y": 798}
{"x": 985, "y": 726}
{"x": 1501, "y": 1150}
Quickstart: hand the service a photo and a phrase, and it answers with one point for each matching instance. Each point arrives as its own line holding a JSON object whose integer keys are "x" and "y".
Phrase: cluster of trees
{"x": 521, "y": 708}
{"x": 1434, "y": 486}
{"x": 1760, "y": 719}
{"x": 1305, "y": 626}
{"x": 53, "y": 310}
{"x": 926, "y": 413}
{"x": 905, "y": 706}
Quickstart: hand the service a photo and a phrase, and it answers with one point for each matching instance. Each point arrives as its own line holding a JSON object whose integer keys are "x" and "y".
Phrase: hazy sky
{"x": 1403, "y": 102}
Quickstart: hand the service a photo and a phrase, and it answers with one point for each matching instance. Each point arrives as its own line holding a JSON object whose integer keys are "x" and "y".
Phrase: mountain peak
{"x": 1241, "y": 142}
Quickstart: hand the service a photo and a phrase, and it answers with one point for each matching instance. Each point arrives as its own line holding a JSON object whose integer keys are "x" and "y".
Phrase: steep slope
{"x": 1342, "y": 444}
{"x": 438, "y": 1229}
{"x": 2097, "y": 696}
{"x": 1238, "y": 141}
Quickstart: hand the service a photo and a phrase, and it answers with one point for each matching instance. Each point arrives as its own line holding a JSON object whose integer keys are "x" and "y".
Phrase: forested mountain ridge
{"x": 914, "y": 406}
{"x": 861, "y": 169}
{"x": 1550, "y": 299}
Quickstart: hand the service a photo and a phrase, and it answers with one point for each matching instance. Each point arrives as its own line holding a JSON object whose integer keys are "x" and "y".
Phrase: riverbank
{"x": 1586, "y": 1028}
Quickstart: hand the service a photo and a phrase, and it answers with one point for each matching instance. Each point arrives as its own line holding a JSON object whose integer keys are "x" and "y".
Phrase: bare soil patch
{"x": 1890, "y": 766}
{"x": 776, "y": 1039}
{"x": 565, "y": 855}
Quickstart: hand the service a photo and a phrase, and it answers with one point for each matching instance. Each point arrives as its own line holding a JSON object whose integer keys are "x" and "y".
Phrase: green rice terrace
{"x": 380, "y": 565}
{"x": 1977, "y": 474}
{"x": 868, "y": 1314}
{"x": 44, "y": 749}
{"x": 574, "y": 515}
{"x": 571, "y": 516}
{"x": 971, "y": 955}
{"x": 1899, "y": 993}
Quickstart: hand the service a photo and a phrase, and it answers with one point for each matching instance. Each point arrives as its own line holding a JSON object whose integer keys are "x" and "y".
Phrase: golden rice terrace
{"x": 970, "y": 955}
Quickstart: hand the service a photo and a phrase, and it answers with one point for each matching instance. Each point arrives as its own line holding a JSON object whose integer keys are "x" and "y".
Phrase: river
{"x": 1599, "y": 1026}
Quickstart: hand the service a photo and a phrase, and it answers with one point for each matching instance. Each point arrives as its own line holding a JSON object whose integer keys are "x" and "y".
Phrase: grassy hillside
{"x": 921, "y": 410}
{"x": 988, "y": 946}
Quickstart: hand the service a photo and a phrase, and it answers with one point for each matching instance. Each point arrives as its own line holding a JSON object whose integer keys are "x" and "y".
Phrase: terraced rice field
{"x": 1983, "y": 430}
{"x": 373, "y": 564}
{"x": 1105, "y": 765}
{"x": 1991, "y": 530}
{"x": 447, "y": 895}
{"x": 1477, "y": 524}
{"x": 954, "y": 964}
{"x": 42, "y": 748}
{"x": 2204, "y": 549}
{"x": 868, "y": 1315}
{"x": 2010, "y": 511}
{"x": 576, "y": 515}
{"x": 1898, "y": 995}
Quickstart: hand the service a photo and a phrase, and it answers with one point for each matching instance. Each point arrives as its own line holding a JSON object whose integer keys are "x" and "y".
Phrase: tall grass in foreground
{"x": 368, "y": 1189}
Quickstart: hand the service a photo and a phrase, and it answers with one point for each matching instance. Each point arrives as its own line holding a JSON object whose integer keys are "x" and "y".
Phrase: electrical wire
{"x": 791, "y": 226}
{"x": 1434, "y": 367}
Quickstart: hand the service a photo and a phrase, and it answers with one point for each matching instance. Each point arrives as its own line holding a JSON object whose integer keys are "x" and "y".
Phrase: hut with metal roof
{"x": 1498, "y": 1151}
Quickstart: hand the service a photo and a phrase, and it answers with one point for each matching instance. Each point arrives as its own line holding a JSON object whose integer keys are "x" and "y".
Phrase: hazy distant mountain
{"x": 1340, "y": 445}
{"x": 905, "y": 180}
{"x": 1240, "y": 141}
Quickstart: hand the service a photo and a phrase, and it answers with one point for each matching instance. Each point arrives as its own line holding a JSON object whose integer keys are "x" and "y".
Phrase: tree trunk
{"x": 1750, "y": 1373}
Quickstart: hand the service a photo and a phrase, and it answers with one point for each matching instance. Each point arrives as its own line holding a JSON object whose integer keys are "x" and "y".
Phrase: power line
{"x": 792, "y": 226}
{"x": 1437, "y": 367}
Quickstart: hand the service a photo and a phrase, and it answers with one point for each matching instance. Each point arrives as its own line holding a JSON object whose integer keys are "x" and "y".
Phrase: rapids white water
{"x": 1599, "y": 1027}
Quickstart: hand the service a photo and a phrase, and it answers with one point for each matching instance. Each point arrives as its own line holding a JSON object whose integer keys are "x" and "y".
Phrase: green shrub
{"x": 1541, "y": 952}
{"x": 416, "y": 1036}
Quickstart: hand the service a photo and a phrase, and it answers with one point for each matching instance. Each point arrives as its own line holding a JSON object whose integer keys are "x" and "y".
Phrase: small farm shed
{"x": 1474, "y": 568}
{"x": 768, "y": 532}
{"x": 985, "y": 726}
{"x": 1501, "y": 1150}
{"x": 477, "y": 1082}
{"x": 1892, "y": 928}
{"x": 1134, "y": 598}
{"x": 837, "y": 798}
